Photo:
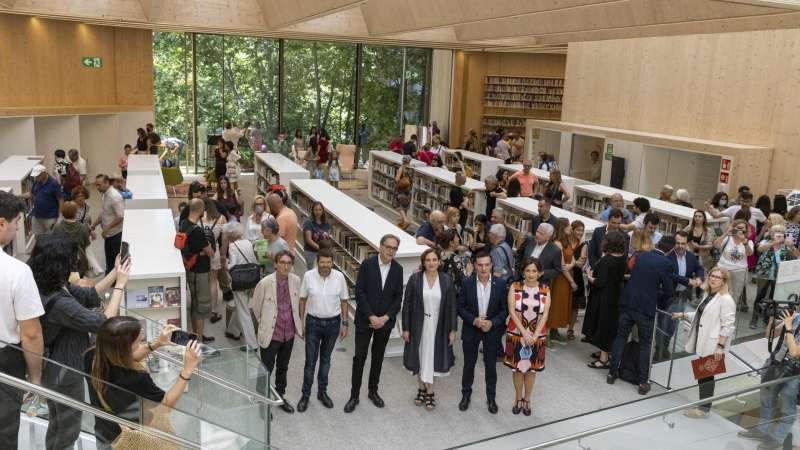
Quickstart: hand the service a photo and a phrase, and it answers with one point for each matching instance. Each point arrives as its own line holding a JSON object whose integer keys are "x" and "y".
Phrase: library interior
{"x": 208, "y": 206}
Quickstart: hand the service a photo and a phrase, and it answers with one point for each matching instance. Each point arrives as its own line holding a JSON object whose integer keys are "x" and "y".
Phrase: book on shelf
{"x": 526, "y": 97}
{"x": 524, "y": 89}
{"x": 155, "y": 294}
{"x": 531, "y": 81}
{"x": 519, "y": 222}
{"x": 176, "y": 322}
{"x": 136, "y": 298}
{"x": 592, "y": 204}
{"x": 385, "y": 168}
{"x": 521, "y": 105}
{"x": 173, "y": 295}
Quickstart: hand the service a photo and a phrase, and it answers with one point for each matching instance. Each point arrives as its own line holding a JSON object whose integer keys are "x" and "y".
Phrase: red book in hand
{"x": 708, "y": 366}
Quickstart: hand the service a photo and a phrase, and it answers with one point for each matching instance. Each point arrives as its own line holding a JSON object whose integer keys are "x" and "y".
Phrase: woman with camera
{"x": 734, "y": 249}
{"x": 712, "y": 325}
{"x": 773, "y": 250}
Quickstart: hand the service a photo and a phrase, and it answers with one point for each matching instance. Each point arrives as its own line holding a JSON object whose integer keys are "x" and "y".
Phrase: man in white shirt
{"x": 501, "y": 149}
{"x": 745, "y": 200}
{"x": 233, "y": 134}
{"x": 79, "y": 163}
{"x": 641, "y": 206}
{"x": 20, "y": 308}
{"x": 324, "y": 295}
{"x": 597, "y": 168}
{"x": 111, "y": 215}
{"x": 650, "y": 227}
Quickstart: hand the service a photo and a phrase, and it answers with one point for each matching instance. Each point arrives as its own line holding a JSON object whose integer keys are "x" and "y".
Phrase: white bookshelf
{"x": 143, "y": 165}
{"x": 544, "y": 176}
{"x": 11, "y": 248}
{"x": 383, "y": 167}
{"x": 482, "y": 165}
{"x": 592, "y": 200}
{"x": 356, "y": 232}
{"x": 431, "y": 190}
{"x": 149, "y": 192}
{"x": 15, "y": 172}
{"x": 274, "y": 168}
{"x": 154, "y": 262}
{"x": 521, "y": 211}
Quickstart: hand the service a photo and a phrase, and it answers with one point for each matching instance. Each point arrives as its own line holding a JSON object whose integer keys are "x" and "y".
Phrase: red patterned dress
{"x": 529, "y": 303}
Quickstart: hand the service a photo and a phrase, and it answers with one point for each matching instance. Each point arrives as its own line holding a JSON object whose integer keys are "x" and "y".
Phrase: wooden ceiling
{"x": 541, "y": 26}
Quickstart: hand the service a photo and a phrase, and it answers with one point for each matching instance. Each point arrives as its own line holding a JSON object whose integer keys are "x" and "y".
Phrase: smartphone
{"x": 124, "y": 251}
{"x": 182, "y": 337}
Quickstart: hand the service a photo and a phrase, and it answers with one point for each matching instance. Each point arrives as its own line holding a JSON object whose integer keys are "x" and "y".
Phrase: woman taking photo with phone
{"x": 734, "y": 249}
{"x": 774, "y": 251}
{"x": 115, "y": 359}
{"x": 711, "y": 326}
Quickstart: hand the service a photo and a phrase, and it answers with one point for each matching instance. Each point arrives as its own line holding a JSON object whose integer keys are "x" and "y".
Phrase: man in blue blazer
{"x": 688, "y": 274}
{"x": 379, "y": 297}
{"x": 637, "y": 305}
{"x": 599, "y": 233}
{"x": 483, "y": 306}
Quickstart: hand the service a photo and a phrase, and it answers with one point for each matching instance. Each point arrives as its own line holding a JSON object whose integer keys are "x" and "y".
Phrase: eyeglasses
{"x": 285, "y": 263}
{"x": 391, "y": 249}
{"x": 715, "y": 277}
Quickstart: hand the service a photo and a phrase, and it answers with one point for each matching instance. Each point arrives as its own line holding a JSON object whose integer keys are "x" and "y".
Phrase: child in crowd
{"x": 123, "y": 161}
{"x": 318, "y": 174}
{"x": 333, "y": 170}
{"x": 178, "y": 217}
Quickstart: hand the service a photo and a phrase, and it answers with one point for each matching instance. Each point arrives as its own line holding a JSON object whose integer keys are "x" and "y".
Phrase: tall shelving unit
{"x": 383, "y": 167}
{"x": 543, "y": 177}
{"x": 274, "y": 168}
{"x": 15, "y": 172}
{"x": 521, "y": 211}
{"x": 591, "y": 200}
{"x": 482, "y": 165}
{"x": 431, "y": 191}
{"x": 356, "y": 232}
{"x": 509, "y": 101}
{"x": 11, "y": 248}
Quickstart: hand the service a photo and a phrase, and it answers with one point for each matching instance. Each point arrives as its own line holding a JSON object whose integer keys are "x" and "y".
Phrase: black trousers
{"x": 12, "y": 362}
{"x": 278, "y": 353}
{"x": 379, "y": 340}
{"x": 471, "y": 358}
{"x": 706, "y": 388}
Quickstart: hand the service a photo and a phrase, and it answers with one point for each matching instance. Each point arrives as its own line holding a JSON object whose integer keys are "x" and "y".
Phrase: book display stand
{"x": 274, "y": 168}
{"x": 15, "y": 172}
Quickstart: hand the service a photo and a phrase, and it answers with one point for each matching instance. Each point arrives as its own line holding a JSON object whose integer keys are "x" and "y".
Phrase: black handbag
{"x": 244, "y": 276}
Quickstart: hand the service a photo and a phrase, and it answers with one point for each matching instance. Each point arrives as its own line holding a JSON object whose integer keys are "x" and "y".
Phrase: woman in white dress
{"x": 429, "y": 326}
{"x": 212, "y": 220}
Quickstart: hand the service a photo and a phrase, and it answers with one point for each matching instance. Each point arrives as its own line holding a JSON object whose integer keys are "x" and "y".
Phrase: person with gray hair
{"x": 267, "y": 248}
{"x": 666, "y": 193}
{"x": 682, "y": 198}
{"x": 493, "y": 192}
{"x": 426, "y": 234}
{"x": 404, "y": 179}
{"x": 502, "y": 255}
{"x": 499, "y": 218}
{"x": 240, "y": 252}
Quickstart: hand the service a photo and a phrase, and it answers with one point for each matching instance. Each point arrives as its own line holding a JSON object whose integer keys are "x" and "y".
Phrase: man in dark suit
{"x": 637, "y": 305}
{"x": 483, "y": 306}
{"x": 379, "y": 296}
{"x": 539, "y": 246}
{"x": 687, "y": 274}
{"x": 599, "y": 233}
{"x": 544, "y": 216}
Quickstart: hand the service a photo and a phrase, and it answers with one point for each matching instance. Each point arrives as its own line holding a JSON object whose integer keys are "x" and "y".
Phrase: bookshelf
{"x": 356, "y": 232}
{"x": 383, "y": 167}
{"x": 431, "y": 191}
{"x": 592, "y": 199}
{"x": 9, "y": 249}
{"x": 543, "y": 177}
{"x": 522, "y": 209}
{"x": 512, "y": 124}
{"x": 144, "y": 165}
{"x": 155, "y": 263}
{"x": 274, "y": 168}
{"x": 149, "y": 192}
{"x": 15, "y": 172}
{"x": 482, "y": 165}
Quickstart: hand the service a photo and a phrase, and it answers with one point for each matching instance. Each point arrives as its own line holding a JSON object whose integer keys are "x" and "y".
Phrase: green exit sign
{"x": 412, "y": 74}
{"x": 89, "y": 61}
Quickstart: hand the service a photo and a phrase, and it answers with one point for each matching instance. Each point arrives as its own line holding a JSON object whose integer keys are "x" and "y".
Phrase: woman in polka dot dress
{"x": 525, "y": 339}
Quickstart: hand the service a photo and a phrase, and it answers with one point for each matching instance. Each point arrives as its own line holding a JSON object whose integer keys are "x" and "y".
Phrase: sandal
{"x": 430, "y": 403}
{"x": 517, "y": 406}
{"x": 215, "y": 317}
{"x": 420, "y": 398}
{"x": 602, "y": 365}
{"x": 527, "y": 408}
{"x": 595, "y": 355}
{"x": 570, "y": 335}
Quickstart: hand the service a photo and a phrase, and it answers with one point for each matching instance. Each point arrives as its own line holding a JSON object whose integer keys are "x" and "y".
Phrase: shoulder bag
{"x": 244, "y": 276}
{"x": 404, "y": 182}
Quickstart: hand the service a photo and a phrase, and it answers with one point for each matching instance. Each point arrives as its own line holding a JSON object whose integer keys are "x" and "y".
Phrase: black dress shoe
{"x": 464, "y": 404}
{"x": 326, "y": 401}
{"x": 231, "y": 336}
{"x": 376, "y": 399}
{"x": 287, "y": 407}
{"x": 492, "y": 406}
{"x": 351, "y": 405}
{"x": 610, "y": 379}
{"x": 302, "y": 405}
{"x": 208, "y": 339}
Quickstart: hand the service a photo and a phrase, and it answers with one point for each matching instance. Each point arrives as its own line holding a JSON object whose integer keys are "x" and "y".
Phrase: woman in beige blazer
{"x": 712, "y": 325}
{"x": 278, "y": 319}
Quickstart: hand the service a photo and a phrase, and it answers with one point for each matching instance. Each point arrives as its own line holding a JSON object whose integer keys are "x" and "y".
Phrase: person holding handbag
{"x": 240, "y": 253}
{"x": 404, "y": 179}
{"x": 712, "y": 324}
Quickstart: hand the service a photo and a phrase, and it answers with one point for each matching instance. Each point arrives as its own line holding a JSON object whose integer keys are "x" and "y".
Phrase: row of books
{"x": 524, "y": 89}
{"x": 431, "y": 186}
{"x": 153, "y": 297}
{"x": 592, "y": 204}
{"x": 500, "y": 122}
{"x": 351, "y": 242}
{"x": 381, "y": 193}
{"x": 522, "y": 222}
{"x": 270, "y": 176}
{"x": 347, "y": 265}
{"x": 521, "y": 105}
{"x": 525, "y": 81}
{"x": 385, "y": 168}
{"x": 532, "y": 97}
{"x": 386, "y": 181}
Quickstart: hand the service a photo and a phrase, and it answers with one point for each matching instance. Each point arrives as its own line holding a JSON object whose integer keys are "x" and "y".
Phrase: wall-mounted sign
{"x": 723, "y": 177}
{"x": 726, "y": 164}
{"x": 89, "y": 61}
{"x": 609, "y": 152}
{"x": 534, "y": 133}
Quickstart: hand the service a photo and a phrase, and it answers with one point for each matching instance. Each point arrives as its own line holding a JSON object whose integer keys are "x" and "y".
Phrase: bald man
{"x": 617, "y": 202}
{"x": 287, "y": 220}
{"x": 427, "y": 231}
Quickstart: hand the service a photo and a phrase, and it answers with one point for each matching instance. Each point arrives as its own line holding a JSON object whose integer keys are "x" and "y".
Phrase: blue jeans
{"x": 769, "y": 400}
{"x": 321, "y": 337}
{"x": 628, "y": 317}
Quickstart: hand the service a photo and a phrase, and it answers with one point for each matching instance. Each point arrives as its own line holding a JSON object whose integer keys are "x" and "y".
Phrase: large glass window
{"x": 415, "y": 101}
{"x": 381, "y": 87}
{"x": 172, "y": 86}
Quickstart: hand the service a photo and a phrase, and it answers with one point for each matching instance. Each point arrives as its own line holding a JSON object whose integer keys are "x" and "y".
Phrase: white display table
{"x": 482, "y": 165}
{"x": 149, "y": 192}
{"x": 431, "y": 191}
{"x": 274, "y": 168}
{"x": 143, "y": 165}
{"x": 383, "y": 167}
{"x": 522, "y": 209}
{"x": 15, "y": 173}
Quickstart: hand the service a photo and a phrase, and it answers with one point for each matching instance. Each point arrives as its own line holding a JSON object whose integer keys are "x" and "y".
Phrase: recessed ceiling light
{"x": 787, "y": 4}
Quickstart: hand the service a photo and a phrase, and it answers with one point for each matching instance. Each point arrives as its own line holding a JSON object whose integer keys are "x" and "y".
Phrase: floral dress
{"x": 402, "y": 196}
{"x": 454, "y": 266}
{"x": 529, "y": 305}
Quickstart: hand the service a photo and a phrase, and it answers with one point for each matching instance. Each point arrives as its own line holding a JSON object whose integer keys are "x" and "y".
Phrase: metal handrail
{"x": 72, "y": 403}
{"x": 613, "y": 426}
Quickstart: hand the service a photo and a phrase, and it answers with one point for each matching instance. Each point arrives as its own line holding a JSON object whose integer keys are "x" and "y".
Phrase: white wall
{"x": 128, "y": 123}
{"x": 581, "y": 156}
{"x": 632, "y": 152}
{"x": 549, "y": 141}
{"x": 101, "y": 154}
{"x": 56, "y": 132}
{"x": 441, "y": 89}
{"x": 698, "y": 173}
{"x": 17, "y": 137}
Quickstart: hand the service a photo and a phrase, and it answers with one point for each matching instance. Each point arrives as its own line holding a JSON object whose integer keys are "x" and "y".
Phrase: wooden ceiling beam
{"x": 7, "y": 3}
{"x": 152, "y": 9}
{"x": 283, "y": 13}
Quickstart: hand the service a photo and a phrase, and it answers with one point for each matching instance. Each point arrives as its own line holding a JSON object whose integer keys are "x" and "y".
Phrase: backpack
{"x": 181, "y": 240}
{"x": 209, "y": 232}
{"x": 629, "y": 365}
{"x": 73, "y": 179}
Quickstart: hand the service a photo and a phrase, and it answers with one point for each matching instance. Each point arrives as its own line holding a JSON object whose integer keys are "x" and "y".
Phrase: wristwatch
{"x": 345, "y": 323}
{"x": 722, "y": 346}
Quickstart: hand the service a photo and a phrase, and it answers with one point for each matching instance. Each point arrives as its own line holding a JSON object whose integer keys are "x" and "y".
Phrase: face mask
{"x": 723, "y": 202}
{"x": 259, "y": 209}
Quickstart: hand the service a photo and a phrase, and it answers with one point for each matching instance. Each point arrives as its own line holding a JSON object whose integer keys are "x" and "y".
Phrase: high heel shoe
{"x": 527, "y": 408}
{"x": 517, "y": 406}
{"x": 420, "y": 398}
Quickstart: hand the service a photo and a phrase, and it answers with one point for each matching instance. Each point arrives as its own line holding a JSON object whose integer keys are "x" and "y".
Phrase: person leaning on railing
{"x": 115, "y": 359}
